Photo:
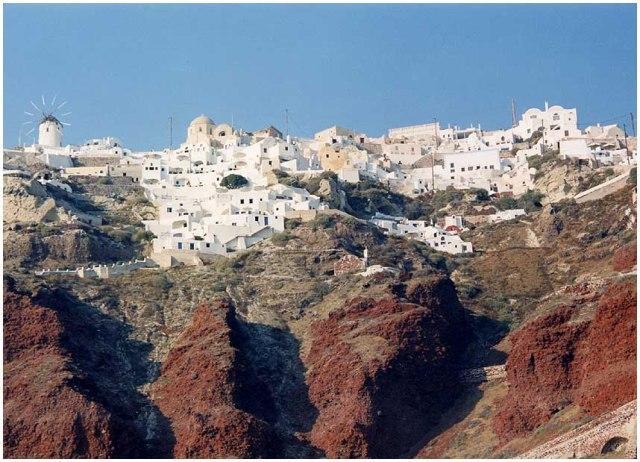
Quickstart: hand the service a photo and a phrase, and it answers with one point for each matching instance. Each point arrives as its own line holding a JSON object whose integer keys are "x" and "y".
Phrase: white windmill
{"x": 48, "y": 121}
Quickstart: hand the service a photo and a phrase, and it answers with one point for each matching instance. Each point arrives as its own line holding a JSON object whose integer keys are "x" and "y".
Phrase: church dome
{"x": 203, "y": 119}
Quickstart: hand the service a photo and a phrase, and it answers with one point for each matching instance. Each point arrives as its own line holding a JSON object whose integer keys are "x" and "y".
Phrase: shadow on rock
{"x": 271, "y": 363}
{"x": 109, "y": 367}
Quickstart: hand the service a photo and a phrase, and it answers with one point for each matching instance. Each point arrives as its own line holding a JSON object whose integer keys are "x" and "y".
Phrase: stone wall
{"x": 304, "y": 215}
{"x": 614, "y": 431}
{"x": 602, "y": 190}
{"x": 101, "y": 271}
{"x": 348, "y": 264}
{"x": 483, "y": 374}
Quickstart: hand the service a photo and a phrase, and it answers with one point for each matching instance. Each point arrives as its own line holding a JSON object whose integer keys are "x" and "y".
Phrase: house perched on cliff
{"x": 434, "y": 236}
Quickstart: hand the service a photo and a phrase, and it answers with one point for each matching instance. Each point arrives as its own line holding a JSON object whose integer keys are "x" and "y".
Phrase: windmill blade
{"x": 30, "y": 132}
{"x": 65, "y": 114}
{"x": 63, "y": 103}
{"x": 43, "y": 103}
{"x": 28, "y": 113}
{"x": 53, "y": 101}
{"x": 27, "y": 122}
{"x": 65, "y": 124}
{"x": 34, "y": 105}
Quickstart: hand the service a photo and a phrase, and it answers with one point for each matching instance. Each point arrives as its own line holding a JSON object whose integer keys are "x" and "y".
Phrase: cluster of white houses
{"x": 434, "y": 236}
{"x": 200, "y": 213}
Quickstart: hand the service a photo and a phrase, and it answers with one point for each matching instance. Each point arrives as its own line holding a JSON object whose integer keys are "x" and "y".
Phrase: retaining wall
{"x": 602, "y": 190}
{"x": 594, "y": 438}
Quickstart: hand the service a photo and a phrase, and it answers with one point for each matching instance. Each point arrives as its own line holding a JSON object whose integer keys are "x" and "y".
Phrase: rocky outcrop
{"x": 69, "y": 248}
{"x": 28, "y": 201}
{"x": 624, "y": 259}
{"x": 381, "y": 371}
{"x": 557, "y": 360}
{"x": 607, "y": 355}
{"x": 198, "y": 392}
{"x": 44, "y": 413}
{"x": 71, "y": 382}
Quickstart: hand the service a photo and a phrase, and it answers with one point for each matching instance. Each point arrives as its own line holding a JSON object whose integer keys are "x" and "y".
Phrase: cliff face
{"x": 557, "y": 360}
{"x": 197, "y": 391}
{"x": 381, "y": 371}
{"x": 71, "y": 382}
{"x": 45, "y": 415}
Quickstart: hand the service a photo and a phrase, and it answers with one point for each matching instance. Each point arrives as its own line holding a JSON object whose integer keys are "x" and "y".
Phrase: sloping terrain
{"x": 47, "y": 227}
{"x": 269, "y": 354}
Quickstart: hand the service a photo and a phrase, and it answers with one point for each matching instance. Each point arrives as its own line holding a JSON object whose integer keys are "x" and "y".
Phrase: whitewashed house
{"x": 434, "y": 236}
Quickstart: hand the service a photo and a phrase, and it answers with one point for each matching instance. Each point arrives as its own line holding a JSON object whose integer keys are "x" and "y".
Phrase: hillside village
{"x": 224, "y": 189}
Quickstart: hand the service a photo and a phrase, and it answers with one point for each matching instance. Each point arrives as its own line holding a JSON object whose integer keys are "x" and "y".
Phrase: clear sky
{"x": 125, "y": 68}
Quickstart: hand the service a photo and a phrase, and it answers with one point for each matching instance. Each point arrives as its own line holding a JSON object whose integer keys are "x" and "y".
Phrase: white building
{"x": 337, "y": 134}
{"x": 433, "y": 236}
{"x": 198, "y": 215}
{"x": 425, "y": 133}
{"x": 556, "y": 123}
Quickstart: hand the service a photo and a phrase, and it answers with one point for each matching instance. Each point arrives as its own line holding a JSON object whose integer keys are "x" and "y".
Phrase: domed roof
{"x": 203, "y": 119}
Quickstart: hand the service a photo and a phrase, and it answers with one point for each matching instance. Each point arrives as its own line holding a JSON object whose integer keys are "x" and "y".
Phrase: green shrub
{"x": 234, "y": 181}
{"x": 104, "y": 180}
{"x": 161, "y": 281}
{"x": 292, "y": 223}
{"x": 281, "y": 239}
{"x": 322, "y": 221}
{"x": 143, "y": 236}
{"x": 531, "y": 200}
{"x": 482, "y": 195}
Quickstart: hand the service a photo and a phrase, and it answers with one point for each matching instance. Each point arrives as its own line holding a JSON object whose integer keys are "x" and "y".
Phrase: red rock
{"x": 555, "y": 362}
{"x": 380, "y": 371}
{"x": 607, "y": 356}
{"x": 197, "y": 389}
{"x": 44, "y": 414}
{"x": 624, "y": 259}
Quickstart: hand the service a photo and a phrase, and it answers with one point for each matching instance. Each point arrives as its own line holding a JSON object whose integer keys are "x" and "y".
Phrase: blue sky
{"x": 125, "y": 68}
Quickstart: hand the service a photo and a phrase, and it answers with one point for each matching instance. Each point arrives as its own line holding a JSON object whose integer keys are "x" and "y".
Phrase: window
{"x": 257, "y": 218}
{"x": 207, "y": 245}
{"x": 169, "y": 209}
{"x": 266, "y": 220}
{"x": 556, "y": 116}
{"x": 451, "y": 165}
{"x": 251, "y": 201}
{"x": 179, "y": 245}
{"x": 192, "y": 246}
{"x": 286, "y": 148}
{"x": 242, "y": 201}
{"x": 264, "y": 150}
{"x": 566, "y": 133}
{"x": 491, "y": 167}
{"x": 462, "y": 169}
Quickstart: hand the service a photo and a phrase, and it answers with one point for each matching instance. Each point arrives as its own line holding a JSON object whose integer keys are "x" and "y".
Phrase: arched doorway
{"x": 616, "y": 444}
